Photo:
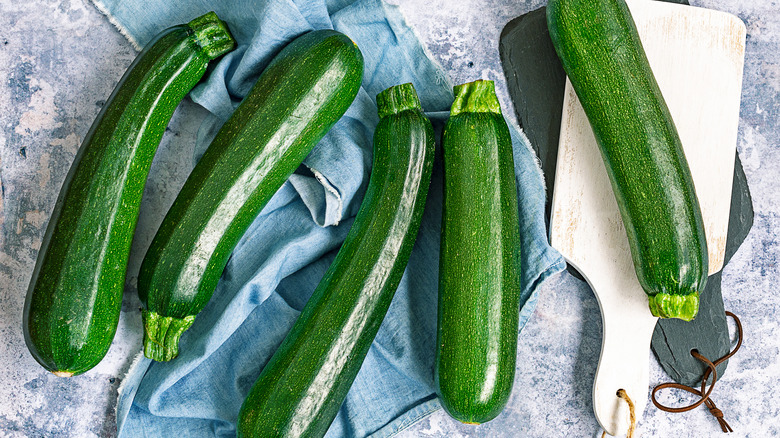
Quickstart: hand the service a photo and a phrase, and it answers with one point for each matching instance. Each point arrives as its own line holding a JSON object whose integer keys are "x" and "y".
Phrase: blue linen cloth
{"x": 278, "y": 263}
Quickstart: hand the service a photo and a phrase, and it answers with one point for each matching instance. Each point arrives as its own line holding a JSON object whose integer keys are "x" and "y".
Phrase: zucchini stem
{"x": 665, "y": 305}
{"x": 397, "y": 99}
{"x": 162, "y": 333}
{"x": 475, "y": 97}
{"x": 212, "y": 35}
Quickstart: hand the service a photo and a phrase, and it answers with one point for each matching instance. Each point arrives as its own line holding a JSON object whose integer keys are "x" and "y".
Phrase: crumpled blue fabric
{"x": 278, "y": 263}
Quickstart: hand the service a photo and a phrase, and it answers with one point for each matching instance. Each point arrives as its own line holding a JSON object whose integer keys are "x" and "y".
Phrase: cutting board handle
{"x": 624, "y": 364}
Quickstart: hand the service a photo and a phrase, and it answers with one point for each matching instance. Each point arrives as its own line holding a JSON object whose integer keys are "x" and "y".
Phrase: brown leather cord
{"x": 705, "y": 395}
{"x": 621, "y": 393}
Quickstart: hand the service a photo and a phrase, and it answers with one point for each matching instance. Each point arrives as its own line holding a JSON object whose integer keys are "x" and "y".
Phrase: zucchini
{"x": 300, "y": 390}
{"x": 601, "y": 53}
{"x": 302, "y": 93}
{"x": 72, "y": 306}
{"x": 479, "y": 273}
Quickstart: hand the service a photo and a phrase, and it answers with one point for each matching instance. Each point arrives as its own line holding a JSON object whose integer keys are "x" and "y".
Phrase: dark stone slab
{"x": 536, "y": 82}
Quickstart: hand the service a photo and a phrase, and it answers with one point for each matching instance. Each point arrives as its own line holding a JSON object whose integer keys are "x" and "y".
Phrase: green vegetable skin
{"x": 302, "y": 93}
{"x": 600, "y": 49}
{"x": 479, "y": 274}
{"x": 75, "y": 295}
{"x": 300, "y": 390}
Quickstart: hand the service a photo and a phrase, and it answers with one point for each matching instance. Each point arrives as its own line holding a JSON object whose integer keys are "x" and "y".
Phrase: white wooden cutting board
{"x": 697, "y": 56}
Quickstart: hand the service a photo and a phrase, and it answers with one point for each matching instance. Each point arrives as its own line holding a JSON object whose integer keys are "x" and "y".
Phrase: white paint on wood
{"x": 697, "y": 56}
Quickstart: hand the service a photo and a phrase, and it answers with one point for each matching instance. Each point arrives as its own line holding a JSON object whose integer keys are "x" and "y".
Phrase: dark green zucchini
{"x": 479, "y": 272}
{"x": 75, "y": 295}
{"x": 601, "y": 53}
{"x": 302, "y": 93}
{"x": 300, "y": 390}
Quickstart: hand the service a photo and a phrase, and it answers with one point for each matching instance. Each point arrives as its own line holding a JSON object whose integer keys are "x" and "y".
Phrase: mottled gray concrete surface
{"x": 59, "y": 60}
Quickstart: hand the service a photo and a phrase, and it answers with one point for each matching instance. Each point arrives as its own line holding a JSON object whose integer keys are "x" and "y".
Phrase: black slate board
{"x": 536, "y": 82}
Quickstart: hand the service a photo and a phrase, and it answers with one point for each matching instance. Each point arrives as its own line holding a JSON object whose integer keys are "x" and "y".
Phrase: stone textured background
{"x": 59, "y": 60}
